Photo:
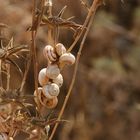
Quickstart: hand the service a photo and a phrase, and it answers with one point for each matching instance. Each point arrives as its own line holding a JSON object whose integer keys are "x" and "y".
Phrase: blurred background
{"x": 105, "y": 101}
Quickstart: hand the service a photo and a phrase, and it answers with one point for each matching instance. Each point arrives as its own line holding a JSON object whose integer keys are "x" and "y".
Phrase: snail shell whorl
{"x": 37, "y": 96}
{"x": 52, "y": 71}
{"x": 50, "y": 91}
{"x": 49, "y": 53}
{"x": 60, "y": 49}
{"x": 58, "y": 80}
{"x": 67, "y": 59}
{"x": 52, "y": 103}
{"x": 42, "y": 77}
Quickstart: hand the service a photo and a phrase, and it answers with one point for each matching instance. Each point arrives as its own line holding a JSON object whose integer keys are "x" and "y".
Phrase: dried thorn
{"x": 85, "y": 5}
{"x": 62, "y": 11}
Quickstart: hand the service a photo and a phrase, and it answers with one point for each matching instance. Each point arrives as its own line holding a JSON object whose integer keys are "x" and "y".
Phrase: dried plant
{"x": 15, "y": 113}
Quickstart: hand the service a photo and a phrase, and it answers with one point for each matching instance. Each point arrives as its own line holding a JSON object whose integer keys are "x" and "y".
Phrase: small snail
{"x": 37, "y": 96}
{"x": 3, "y": 136}
{"x": 58, "y": 80}
{"x": 42, "y": 77}
{"x": 49, "y": 53}
{"x": 52, "y": 71}
{"x": 52, "y": 103}
{"x": 67, "y": 59}
{"x": 51, "y": 90}
{"x": 60, "y": 49}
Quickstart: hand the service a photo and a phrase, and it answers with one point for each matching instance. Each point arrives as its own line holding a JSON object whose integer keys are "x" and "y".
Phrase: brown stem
{"x": 8, "y": 76}
{"x": 93, "y": 9}
{"x": 1, "y": 73}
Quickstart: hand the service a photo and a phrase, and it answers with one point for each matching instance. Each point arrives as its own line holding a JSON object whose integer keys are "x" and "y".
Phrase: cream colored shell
{"x": 3, "y": 136}
{"x": 49, "y": 53}
{"x": 51, "y": 90}
{"x": 42, "y": 77}
{"x": 60, "y": 49}
{"x": 67, "y": 59}
{"x": 52, "y": 103}
{"x": 58, "y": 80}
{"x": 37, "y": 96}
{"x": 52, "y": 71}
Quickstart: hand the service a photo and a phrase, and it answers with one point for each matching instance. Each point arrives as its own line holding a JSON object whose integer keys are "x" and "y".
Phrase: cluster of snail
{"x": 50, "y": 77}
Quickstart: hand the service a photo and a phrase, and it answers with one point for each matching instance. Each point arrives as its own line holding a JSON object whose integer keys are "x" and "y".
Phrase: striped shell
{"x": 51, "y": 90}
{"x": 52, "y": 71}
{"x": 42, "y": 77}
{"x": 49, "y": 53}
{"x": 60, "y": 49}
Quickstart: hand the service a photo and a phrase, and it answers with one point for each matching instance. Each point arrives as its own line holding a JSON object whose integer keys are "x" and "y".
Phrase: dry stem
{"x": 87, "y": 24}
{"x": 92, "y": 10}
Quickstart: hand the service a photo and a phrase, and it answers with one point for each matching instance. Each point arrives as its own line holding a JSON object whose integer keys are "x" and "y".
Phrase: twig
{"x": 1, "y": 73}
{"x": 93, "y": 9}
{"x": 25, "y": 74}
{"x": 49, "y": 14}
{"x": 8, "y": 76}
{"x": 32, "y": 48}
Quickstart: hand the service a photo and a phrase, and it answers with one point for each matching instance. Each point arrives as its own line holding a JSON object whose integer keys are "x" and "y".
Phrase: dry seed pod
{"x": 67, "y": 59}
{"x": 60, "y": 49}
{"x": 49, "y": 53}
{"x": 51, "y": 90}
{"x": 52, "y": 71}
{"x": 58, "y": 80}
{"x": 52, "y": 103}
{"x": 42, "y": 77}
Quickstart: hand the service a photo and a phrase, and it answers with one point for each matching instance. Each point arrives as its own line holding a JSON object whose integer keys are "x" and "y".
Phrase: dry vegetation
{"x": 105, "y": 99}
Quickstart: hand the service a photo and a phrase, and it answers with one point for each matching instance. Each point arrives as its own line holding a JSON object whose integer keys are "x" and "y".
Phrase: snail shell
{"x": 52, "y": 103}
{"x": 49, "y": 53}
{"x": 52, "y": 71}
{"x": 37, "y": 96}
{"x": 51, "y": 90}
{"x": 60, "y": 49}
{"x": 58, "y": 80}
{"x": 3, "y": 136}
{"x": 67, "y": 59}
{"x": 42, "y": 77}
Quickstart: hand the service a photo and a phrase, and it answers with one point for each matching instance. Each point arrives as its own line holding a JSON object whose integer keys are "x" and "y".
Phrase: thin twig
{"x": 93, "y": 8}
{"x": 49, "y": 14}
{"x": 8, "y": 76}
{"x": 25, "y": 74}
{"x": 32, "y": 48}
{"x": 91, "y": 16}
{"x": 1, "y": 73}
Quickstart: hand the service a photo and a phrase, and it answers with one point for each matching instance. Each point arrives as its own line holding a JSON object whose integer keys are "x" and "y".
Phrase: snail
{"x": 42, "y": 77}
{"x": 60, "y": 49}
{"x": 37, "y": 97}
{"x": 52, "y": 71}
{"x": 52, "y": 103}
{"x": 66, "y": 59}
{"x": 3, "y": 136}
{"x": 58, "y": 80}
{"x": 51, "y": 90}
{"x": 49, "y": 53}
